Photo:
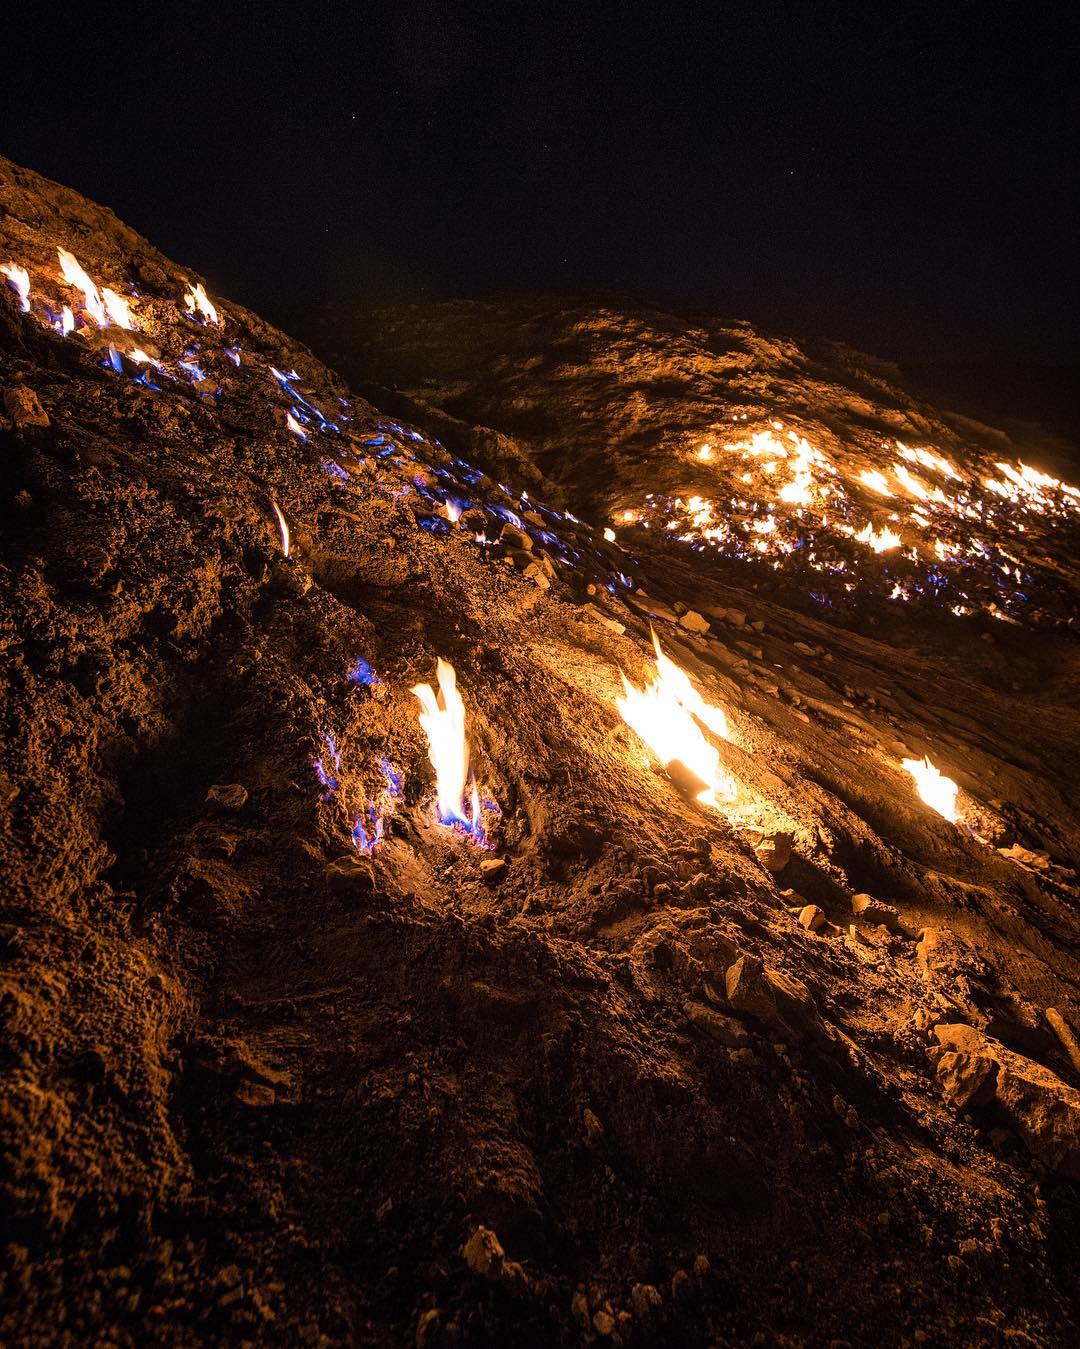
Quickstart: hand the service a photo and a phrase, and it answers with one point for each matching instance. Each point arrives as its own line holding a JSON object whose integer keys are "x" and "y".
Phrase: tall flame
{"x": 663, "y": 714}
{"x": 19, "y": 277}
{"x": 198, "y": 302}
{"x": 283, "y": 526}
{"x": 443, "y": 721}
{"x": 937, "y": 791}
{"x": 73, "y": 272}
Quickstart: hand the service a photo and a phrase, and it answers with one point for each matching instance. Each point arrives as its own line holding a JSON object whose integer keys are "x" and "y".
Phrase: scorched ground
{"x": 290, "y": 1056}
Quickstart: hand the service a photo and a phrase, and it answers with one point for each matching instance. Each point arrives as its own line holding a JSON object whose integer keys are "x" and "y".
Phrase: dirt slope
{"x": 285, "y": 1062}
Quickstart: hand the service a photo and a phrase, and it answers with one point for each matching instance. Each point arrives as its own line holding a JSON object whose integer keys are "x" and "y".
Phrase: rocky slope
{"x": 288, "y": 1058}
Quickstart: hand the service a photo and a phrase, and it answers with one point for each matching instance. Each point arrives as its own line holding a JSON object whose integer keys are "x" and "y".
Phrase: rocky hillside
{"x": 674, "y": 1016}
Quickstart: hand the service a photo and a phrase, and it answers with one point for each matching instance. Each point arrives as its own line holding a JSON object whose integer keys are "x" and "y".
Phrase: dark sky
{"x": 900, "y": 176}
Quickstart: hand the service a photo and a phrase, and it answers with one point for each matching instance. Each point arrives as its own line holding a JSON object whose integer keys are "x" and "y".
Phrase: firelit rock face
{"x": 321, "y": 1022}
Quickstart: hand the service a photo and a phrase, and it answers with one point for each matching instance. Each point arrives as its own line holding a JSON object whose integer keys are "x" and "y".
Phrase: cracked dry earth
{"x": 287, "y": 1060}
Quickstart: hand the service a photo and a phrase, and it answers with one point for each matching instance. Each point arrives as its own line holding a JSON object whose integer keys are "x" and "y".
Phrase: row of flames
{"x": 956, "y": 538}
{"x": 669, "y": 714}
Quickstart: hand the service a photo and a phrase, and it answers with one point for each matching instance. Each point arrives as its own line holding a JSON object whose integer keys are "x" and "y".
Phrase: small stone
{"x": 604, "y": 1323}
{"x": 871, "y": 910}
{"x": 724, "y": 1030}
{"x": 736, "y": 618}
{"x": 516, "y": 538}
{"x": 774, "y": 851}
{"x": 536, "y": 574}
{"x": 22, "y": 406}
{"x": 230, "y": 796}
{"x": 483, "y": 1253}
{"x": 692, "y": 621}
{"x": 644, "y": 1300}
{"x": 812, "y": 918}
{"x": 579, "y": 1310}
{"x": 681, "y": 1287}
{"x": 593, "y": 1127}
{"x": 702, "y": 1267}
{"x": 491, "y": 868}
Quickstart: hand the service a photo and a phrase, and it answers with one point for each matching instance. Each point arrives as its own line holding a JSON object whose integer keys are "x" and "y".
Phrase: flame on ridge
{"x": 665, "y": 714}
{"x": 19, "y": 278}
{"x": 938, "y": 791}
{"x": 442, "y": 718}
{"x": 198, "y": 302}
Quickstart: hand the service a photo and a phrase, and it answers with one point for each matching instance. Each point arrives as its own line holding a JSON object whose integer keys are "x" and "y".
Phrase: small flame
{"x": 453, "y": 510}
{"x": 881, "y": 541}
{"x": 198, "y": 302}
{"x": 937, "y": 791}
{"x": 67, "y": 320}
{"x": 283, "y": 526}
{"x": 705, "y": 454}
{"x": 72, "y": 271}
{"x": 19, "y": 277}
{"x": 443, "y": 721}
{"x": 294, "y": 426}
{"x": 663, "y": 714}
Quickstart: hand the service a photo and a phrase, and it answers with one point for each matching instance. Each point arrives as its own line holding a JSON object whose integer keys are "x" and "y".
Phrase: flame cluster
{"x": 963, "y": 540}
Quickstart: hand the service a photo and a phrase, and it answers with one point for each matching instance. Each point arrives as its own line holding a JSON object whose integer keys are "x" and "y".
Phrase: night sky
{"x": 902, "y": 177}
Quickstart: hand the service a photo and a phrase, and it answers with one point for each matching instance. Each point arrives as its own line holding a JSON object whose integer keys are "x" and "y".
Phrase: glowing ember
{"x": 937, "y": 791}
{"x": 283, "y": 527}
{"x": 198, "y": 302}
{"x": 443, "y": 721}
{"x": 18, "y": 277}
{"x": 664, "y": 713}
{"x": 72, "y": 271}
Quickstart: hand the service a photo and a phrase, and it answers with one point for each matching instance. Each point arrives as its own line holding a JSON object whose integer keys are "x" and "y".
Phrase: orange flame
{"x": 198, "y": 302}
{"x": 73, "y": 272}
{"x": 443, "y": 722}
{"x": 20, "y": 279}
{"x": 938, "y": 791}
{"x": 665, "y": 714}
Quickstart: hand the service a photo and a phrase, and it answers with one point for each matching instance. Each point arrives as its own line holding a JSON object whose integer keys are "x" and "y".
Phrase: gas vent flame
{"x": 880, "y": 540}
{"x": 198, "y": 303}
{"x": 937, "y": 791}
{"x": 73, "y": 272}
{"x": 19, "y": 278}
{"x": 283, "y": 527}
{"x": 665, "y": 714}
{"x": 443, "y": 721}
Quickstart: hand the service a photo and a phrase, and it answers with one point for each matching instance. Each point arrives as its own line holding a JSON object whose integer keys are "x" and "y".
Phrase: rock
{"x": 536, "y": 574}
{"x": 492, "y": 868}
{"x": 579, "y": 1310}
{"x": 723, "y": 1029}
{"x": 1044, "y": 1110}
{"x": 350, "y": 875}
{"x": 681, "y": 1285}
{"x": 1064, "y": 1033}
{"x": 594, "y": 612}
{"x": 736, "y": 618}
{"x": 228, "y": 796}
{"x": 486, "y": 1258}
{"x": 702, "y": 1266}
{"x": 604, "y": 1323}
{"x": 966, "y": 1079}
{"x": 483, "y": 1252}
{"x": 516, "y": 538}
{"x": 774, "y": 851}
{"x": 748, "y": 990}
{"x": 871, "y": 910}
{"x": 804, "y": 649}
{"x": 22, "y": 406}
{"x": 812, "y": 918}
{"x": 692, "y": 621}
{"x": 593, "y": 1127}
{"x": 758, "y": 625}
{"x": 644, "y": 1301}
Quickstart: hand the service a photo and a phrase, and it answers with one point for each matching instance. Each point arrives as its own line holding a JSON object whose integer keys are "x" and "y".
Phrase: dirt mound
{"x": 291, "y": 1056}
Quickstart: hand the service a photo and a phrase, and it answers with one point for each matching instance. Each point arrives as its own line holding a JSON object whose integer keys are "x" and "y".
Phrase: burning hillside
{"x": 588, "y": 880}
